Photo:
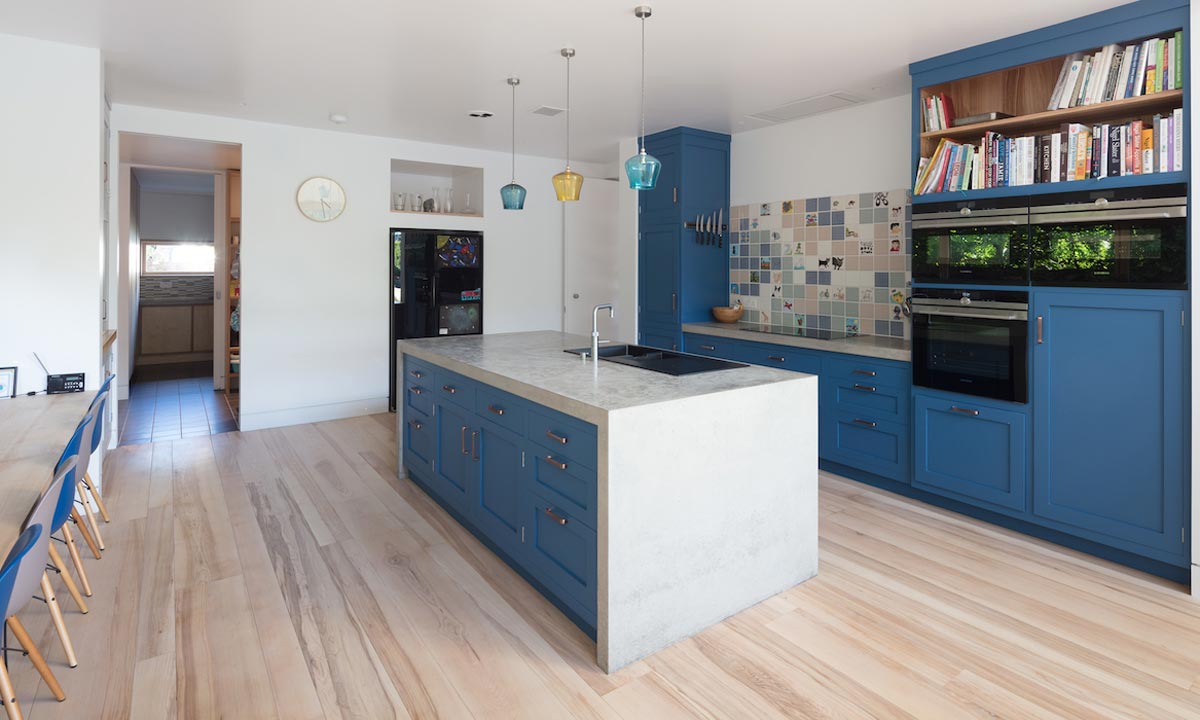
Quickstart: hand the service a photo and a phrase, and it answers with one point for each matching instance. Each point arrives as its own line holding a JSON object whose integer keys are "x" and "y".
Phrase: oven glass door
{"x": 957, "y": 252}
{"x": 977, "y": 356}
{"x": 1147, "y": 253}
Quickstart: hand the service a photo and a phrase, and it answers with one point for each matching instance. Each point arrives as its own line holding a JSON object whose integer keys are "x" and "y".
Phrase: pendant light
{"x": 642, "y": 169}
{"x": 512, "y": 194}
{"x": 567, "y": 184}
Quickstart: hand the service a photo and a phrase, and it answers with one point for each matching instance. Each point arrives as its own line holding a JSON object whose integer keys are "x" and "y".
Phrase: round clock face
{"x": 321, "y": 199}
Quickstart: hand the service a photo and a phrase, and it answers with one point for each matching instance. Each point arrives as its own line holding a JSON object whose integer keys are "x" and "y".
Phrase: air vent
{"x": 809, "y": 106}
{"x": 548, "y": 111}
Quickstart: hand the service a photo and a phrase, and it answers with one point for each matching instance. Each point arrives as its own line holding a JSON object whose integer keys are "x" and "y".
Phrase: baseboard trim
{"x": 313, "y": 413}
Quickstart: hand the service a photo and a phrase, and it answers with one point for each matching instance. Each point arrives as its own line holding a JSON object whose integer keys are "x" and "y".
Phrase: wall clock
{"x": 321, "y": 199}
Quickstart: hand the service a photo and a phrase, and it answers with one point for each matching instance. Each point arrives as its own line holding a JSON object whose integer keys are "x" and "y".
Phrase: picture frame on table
{"x": 8, "y": 382}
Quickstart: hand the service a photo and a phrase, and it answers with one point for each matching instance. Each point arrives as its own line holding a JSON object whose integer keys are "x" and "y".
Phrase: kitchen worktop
{"x": 533, "y": 365}
{"x": 885, "y": 348}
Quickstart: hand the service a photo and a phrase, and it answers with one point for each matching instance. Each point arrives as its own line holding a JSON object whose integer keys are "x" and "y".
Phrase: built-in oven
{"x": 971, "y": 341}
{"x": 965, "y": 243}
{"x": 1112, "y": 241}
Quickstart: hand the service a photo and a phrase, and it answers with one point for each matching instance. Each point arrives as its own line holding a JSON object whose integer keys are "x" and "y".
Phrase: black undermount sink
{"x": 668, "y": 362}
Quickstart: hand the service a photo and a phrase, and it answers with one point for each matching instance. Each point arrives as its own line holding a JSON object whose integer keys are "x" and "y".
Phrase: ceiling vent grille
{"x": 548, "y": 111}
{"x": 808, "y": 106}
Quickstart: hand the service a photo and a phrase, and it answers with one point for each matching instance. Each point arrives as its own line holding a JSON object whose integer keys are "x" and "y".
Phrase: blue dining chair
{"x": 65, "y": 511}
{"x": 43, "y": 514}
{"x": 19, "y": 577}
{"x": 101, "y": 400}
{"x": 91, "y": 442}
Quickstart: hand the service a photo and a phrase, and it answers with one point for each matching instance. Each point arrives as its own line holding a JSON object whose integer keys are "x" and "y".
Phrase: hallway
{"x": 171, "y": 402}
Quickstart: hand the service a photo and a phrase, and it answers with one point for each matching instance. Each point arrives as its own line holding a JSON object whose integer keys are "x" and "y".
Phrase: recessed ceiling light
{"x": 338, "y": 118}
{"x": 480, "y": 114}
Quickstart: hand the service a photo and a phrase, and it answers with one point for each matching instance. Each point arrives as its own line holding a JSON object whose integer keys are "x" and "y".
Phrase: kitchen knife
{"x": 699, "y": 230}
{"x": 720, "y": 230}
{"x": 708, "y": 233}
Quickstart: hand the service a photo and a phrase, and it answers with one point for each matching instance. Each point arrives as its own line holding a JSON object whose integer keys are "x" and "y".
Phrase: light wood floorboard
{"x": 289, "y": 574}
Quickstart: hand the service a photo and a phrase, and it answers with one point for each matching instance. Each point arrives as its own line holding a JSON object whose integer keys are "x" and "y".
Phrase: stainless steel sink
{"x": 668, "y": 362}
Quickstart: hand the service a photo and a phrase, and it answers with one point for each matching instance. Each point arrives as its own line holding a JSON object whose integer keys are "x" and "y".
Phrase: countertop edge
{"x": 847, "y": 346}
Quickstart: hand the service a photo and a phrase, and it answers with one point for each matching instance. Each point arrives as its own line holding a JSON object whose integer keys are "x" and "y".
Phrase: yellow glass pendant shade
{"x": 567, "y": 185}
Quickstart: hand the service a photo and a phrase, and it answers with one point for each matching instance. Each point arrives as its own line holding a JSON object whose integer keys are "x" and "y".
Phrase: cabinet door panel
{"x": 202, "y": 328}
{"x": 658, "y": 275}
{"x": 865, "y": 441}
{"x": 453, "y": 454}
{"x": 497, "y": 472}
{"x": 968, "y": 450}
{"x": 419, "y": 441}
{"x": 562, "y": 551}
{"x": 165, "y": 329}
{"x": 660, "y": 206}
{"x": 1109, "y": 382}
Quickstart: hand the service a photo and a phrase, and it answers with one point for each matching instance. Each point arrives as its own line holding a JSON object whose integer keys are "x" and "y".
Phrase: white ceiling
{"x": 415, "y": 69}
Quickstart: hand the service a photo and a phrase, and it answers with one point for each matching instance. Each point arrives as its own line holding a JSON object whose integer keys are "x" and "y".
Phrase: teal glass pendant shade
{"x": 642, "y": 171}
{"x": 513, "y": 196}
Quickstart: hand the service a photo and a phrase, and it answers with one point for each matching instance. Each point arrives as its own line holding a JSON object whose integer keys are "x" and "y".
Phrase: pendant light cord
{"x": 643, "y": 85}
{"x": 514, "y": 135}
{"x": 568, "y": 112}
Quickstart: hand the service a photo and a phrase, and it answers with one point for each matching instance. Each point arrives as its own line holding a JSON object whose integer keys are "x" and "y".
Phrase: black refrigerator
{"x": 437, "y": 287}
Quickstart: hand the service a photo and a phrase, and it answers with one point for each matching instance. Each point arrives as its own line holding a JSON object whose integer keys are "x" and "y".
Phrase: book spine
{"x": 1177, "y": 133}
{"x": 1112, "y": 165}
{"x": 1131, "y": 77}
{"x": 1148, "y": 150}
{"x": 1178, "y": 76}
{"x": 1081, "y": 82}
{"x": 1169, "y": 64}
{"x": 1058, "y": 86}
{"x": 1002, "y": 163}
{"x": 1064, "y": 99}
{"x": 1160, "y": 64}
{"x": 1135, "y": 141}
{"x": 1160, "y": 140}
{"x": 1114, "y": 72}
{"x": 1055, "y": 159}
{"x": 1097, "y": 149}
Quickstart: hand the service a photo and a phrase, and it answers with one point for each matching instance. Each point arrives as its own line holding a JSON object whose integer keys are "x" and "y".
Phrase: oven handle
{"x": 1176, "y": 211}
{"x": 969, "y": 222}
{"x": 977, "y": 312}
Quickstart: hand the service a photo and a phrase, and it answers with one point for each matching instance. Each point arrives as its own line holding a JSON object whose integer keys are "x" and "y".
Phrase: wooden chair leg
{"x": 59, "y": 624}
{"x": 8, "y": 695}
{"x": 87, "y": 535}
{"x": 91, "y": 518}
{"x": 69, "y": 581}
{"x": 35, "y": 657}
{"x": 77, "y": 561}
{"x": 91, "y": 486}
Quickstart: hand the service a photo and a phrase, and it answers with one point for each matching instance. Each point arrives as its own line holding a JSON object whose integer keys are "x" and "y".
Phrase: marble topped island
{"x": 705, "y": 486}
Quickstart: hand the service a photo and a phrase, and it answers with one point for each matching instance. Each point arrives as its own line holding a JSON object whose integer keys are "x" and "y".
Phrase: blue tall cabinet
{"x": 680, "y": 279}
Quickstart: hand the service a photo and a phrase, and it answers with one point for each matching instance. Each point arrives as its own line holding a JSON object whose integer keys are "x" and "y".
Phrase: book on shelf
{"x": 1116, "y": 72}
{"x": 1076, "y": 152}
{"x": 939, "y": 112}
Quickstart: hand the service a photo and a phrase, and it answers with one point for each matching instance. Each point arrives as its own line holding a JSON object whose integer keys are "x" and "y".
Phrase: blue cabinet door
{"x": 660, "y": 206}
{"x": 658, "y": 276}
{"x": 451, "y": 471}
{"x": 659, "y": 336}
{"x": 497, "y": 472}
{"x": 970, "y": 450}
{"x": 561, "y": 552}
{"x": 420, "y": 441}
{"x": 866, "y": 441}
{"x": 1109, "y": 382}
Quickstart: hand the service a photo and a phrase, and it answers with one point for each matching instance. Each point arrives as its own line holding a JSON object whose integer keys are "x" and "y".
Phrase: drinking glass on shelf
{"x": 449, "y": 200}
{"x": 437, "y": 200}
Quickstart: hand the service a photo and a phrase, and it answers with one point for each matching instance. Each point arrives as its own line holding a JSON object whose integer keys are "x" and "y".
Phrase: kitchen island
{"x": 646, "y": 506}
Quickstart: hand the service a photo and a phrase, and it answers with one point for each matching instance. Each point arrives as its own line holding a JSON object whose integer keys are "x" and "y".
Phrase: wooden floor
{"x": 286, "y": 573}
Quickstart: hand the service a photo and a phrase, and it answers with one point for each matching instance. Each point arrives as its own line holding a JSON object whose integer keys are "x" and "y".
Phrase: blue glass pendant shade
{"x": 513, "y": 196}
{"x": 642, "y": 170}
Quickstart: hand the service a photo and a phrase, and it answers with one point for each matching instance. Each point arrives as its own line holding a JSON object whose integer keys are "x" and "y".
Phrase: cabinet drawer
{"x": 454, "y": 388}
{"x": 565, "y": 437}
{"x": 780, "y": 356}
{"x": 562, "y": 552}
{"x": 850, "y": 395}
{"x": 419, "y": 397}
{"x": 867, "y": 442}
{"x": 966, "y": 449}
{"x": 418, "y": 371}
{"x": 499, "y": 407}
{"x": 709, "y": 345}
{"x": 418, "y": 440}
{"x": 847, "y": 369}
{"x": 567, "y": 483}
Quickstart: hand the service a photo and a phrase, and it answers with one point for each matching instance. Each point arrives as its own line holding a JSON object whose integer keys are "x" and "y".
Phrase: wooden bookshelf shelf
{"x": 1112, "y": 111}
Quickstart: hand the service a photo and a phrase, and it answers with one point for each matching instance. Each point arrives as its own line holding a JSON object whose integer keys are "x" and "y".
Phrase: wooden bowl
{"x": 728, "y": 314}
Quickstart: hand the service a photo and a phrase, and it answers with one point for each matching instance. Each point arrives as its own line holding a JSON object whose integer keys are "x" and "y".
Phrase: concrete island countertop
{"x": 884, "y": 348}
{"x": 533, "y": 365}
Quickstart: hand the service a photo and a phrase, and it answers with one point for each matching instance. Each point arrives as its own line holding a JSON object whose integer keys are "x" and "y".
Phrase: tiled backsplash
{"x": 840, "y": 263}
{"x": 176, "y": 290}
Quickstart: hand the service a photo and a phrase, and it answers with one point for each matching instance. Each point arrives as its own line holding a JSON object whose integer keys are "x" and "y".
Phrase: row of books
{"x": 1076, "y": 152}
{"x": 939, "y": 112}
{"x": 1115, "y": 73}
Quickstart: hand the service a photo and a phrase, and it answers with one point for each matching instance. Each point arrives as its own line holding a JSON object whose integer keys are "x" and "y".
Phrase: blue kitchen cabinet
{"x": 971, "y": 450}
{"x": 561, "y": 552}
{"x": 451, "y": 472}
{"x": 780, "y": 356}
{"x": 419, "y": 441}
{"x": 1110, "y": 452}
{"x": 498, "y": 477}
{"x": 680, "y": 279}
{"x": 710, "y": 345}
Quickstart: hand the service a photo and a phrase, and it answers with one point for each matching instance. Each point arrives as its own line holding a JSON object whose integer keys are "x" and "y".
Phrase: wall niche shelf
{"x": 421, "y": 178}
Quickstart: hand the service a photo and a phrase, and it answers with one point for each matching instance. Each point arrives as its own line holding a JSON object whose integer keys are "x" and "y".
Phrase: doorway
{"x": 181, "y": 288}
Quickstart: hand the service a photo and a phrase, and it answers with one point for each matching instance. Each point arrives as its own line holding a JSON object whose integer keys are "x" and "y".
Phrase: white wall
{"x": 855, "y": 150}
{"x": 184, "y": 217}
{"x": 50, "y": 209}
{"x": 314, "y": 295}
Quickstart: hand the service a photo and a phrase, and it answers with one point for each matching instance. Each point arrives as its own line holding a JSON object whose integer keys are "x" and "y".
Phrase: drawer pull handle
{"x": 416, "y": 424}
{"x": 498, "y": 411}
{"x": 561, "y": 439}
{"x": 560, "y": 465}
{"x": 707, "y": 347}
{"x": 777, "y": 358}
{"x": 416, "y": 390}
{"x": 964, "y": 411}
{"x": 416, "y": 373}
{"x": 868, "y": 423}
{"x": 866, "y": 388}
{"x": 868, "y": 373}
{"x": 462, "y": 440}
{"x": 474, "y": 449}
{"x": 450, "y": 389}
{"x": 555, "y": 516}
